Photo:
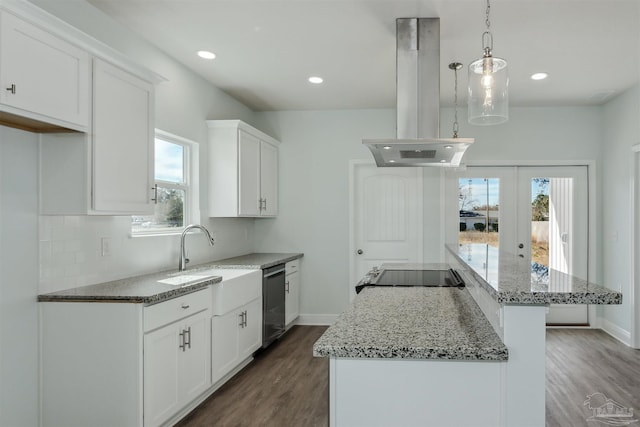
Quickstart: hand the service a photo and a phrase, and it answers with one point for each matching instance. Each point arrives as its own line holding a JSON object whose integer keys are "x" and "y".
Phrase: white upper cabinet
{"x": 243, "y": 170}
{"x": 110, "y": 171}
{"x": 45, "y": 79}
{"x": 122, "y": 141}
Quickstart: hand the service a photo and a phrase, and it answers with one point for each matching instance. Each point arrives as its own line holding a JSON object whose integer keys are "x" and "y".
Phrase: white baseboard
{"x": 316, "y": 319}
{"x": 616, "y": 331}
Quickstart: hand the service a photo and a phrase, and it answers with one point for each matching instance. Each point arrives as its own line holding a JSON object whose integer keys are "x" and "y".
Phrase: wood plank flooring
{"x": 286, "y": 387}
{"x": 581, "y": 362}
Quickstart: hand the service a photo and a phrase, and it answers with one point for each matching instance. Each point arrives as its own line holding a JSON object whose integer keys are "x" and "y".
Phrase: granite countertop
{"x": 158, "y": 287}
{"x": 509, "y": 279}
{"x": 412, "y": 323}
{"x": 148, "y": 289}
{"x": 255, "y": 261}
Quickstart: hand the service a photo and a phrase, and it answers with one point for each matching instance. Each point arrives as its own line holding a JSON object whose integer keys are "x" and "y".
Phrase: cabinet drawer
{"x": 291, "y": 266}
{"x": 175, "y": 309}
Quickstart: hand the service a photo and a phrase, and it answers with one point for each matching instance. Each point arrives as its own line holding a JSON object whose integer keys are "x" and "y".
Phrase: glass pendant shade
{"x": 488, "y": 100}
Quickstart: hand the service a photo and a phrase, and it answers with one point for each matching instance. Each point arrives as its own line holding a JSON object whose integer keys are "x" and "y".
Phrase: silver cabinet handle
{"x": 12, "y": 89}
{"x": 182, "y": 345}
{"x": 188, "y": 334}
{"x": 154, "y": 199}
{"x": 242, "y": 323}
{"x": 185, "y": 306}
{"x": 265, "y": 204}
{"x": 286, "y": 286}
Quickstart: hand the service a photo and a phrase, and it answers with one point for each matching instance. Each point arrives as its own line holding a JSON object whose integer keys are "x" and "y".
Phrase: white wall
{"x": 18, "y": 278}
{"x": 621, "y": 131}
{"x": 314, "y": 160}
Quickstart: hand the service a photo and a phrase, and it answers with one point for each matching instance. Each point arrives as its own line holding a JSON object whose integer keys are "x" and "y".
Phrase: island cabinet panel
{"x": 44, "y": 78}
{"x": 397, "y": 392}
{"x": 243, "y": 170}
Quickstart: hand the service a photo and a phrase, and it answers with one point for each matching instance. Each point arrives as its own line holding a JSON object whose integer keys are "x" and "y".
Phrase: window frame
{"x": 190, "y": 185}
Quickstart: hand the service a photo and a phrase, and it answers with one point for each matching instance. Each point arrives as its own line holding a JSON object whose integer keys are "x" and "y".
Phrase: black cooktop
{"x": 431, "y": 278}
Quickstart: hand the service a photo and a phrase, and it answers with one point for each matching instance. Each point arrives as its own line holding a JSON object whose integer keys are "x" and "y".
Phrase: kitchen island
{"x": 447, "y": 356}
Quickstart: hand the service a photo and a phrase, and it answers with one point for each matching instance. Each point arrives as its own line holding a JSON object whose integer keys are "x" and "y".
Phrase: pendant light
{"x": 455, "y": 66}
{"x": 488, "y": 99}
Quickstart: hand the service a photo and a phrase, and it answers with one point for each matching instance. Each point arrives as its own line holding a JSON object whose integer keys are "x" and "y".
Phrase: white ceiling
{"x": 266, "y": 49}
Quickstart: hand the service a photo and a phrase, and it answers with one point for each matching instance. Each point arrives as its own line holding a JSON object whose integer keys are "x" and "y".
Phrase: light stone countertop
{"x": 412, "y": 323}
{"x": 158, "y": 287}
{"x": 147, "y": 289}
{"x": 255, "y": 261}
{"x": 509, "y": 279}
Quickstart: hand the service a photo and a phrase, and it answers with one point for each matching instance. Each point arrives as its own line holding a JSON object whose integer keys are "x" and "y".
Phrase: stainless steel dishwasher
{"x": 273, "y": 293}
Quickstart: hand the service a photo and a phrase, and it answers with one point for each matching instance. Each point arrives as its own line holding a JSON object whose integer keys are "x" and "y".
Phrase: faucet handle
{"x": 186, "y": 261}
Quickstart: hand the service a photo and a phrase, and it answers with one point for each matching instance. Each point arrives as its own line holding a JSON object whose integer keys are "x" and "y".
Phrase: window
{"x": 176, "y": 161}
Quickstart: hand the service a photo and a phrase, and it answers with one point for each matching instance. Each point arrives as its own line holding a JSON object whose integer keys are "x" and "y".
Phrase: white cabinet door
{"x": 47, "y": 78}
{"x": 176, "y": 367}
{"x": 195, "y": 358}
{"x": 224, "y": 343}
{"x": 122, "y": 141}
{"x": 161, "y": 372}
{"x": 292, "y": 297}
{"x": 268, "y": 179}
{"x": 243, "y": 170}
{"x": 250, "y": 335}
{"x": 248, "y": 174}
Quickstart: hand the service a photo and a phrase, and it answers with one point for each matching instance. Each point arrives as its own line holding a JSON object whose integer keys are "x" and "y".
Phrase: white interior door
{"x": 386, "y": 208}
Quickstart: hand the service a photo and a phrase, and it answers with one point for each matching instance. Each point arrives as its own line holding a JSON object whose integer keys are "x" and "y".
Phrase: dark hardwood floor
{"x": 286, "y": 387}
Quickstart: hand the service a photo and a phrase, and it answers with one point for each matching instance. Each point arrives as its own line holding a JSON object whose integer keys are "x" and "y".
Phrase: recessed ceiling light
{"x": 448, "y": 147}
{"x": 539, "y": 76}
{"x": 315, "y": 80}
{"x": 392, "y": 161}
{"x": 443, "y": 161}
{"x": 206, "y": 54}
{"x": 387, "y": 147}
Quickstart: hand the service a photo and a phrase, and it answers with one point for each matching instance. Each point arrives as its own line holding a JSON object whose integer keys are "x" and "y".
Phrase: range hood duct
{"x": 418, "y": 141}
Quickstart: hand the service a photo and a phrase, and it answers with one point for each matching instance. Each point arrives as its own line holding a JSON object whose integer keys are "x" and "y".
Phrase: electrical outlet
{"x": 105, "y": 244}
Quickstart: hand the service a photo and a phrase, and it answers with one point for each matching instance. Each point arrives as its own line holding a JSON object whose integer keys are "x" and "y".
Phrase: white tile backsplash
{"x": 71, "y": 249}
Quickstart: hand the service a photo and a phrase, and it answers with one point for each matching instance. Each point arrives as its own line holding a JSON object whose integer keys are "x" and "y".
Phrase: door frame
{"x": 353, "y": 165}
{"x": 592, "y": 252}
{"x": 634, "y": 246}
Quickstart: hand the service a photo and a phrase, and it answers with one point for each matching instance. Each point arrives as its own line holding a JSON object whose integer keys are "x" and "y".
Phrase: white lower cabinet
{"x": 292, "y": 292}
{"x": 176, "y": 366}
{"x": 124, "y": 364}
{"x": 235, "y": 336}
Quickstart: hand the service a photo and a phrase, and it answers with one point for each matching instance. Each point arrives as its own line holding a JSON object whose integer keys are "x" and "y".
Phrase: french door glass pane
{"x": 479, "y": 210}
{"x": 540, "y": 230}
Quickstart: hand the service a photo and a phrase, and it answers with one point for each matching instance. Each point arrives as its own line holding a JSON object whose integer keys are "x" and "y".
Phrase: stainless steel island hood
{"x": 418, "y": 102}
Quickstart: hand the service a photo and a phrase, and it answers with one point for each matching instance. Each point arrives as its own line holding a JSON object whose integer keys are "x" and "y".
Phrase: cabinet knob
{"x": 360, "y": 252}
{"x": 12, "y": 89}
{"x": 185, "y": 306}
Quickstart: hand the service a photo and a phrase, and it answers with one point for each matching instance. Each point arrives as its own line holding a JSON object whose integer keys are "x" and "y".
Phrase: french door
{"x": 538, "y": 213}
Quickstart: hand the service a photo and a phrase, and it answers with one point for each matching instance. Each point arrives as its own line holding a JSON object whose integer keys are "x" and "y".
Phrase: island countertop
{"x": 509, "y": 279}
{"x": 412, "y": 323}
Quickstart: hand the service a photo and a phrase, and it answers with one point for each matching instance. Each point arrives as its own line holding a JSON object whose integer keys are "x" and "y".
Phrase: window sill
{"x": 163, "y": 233}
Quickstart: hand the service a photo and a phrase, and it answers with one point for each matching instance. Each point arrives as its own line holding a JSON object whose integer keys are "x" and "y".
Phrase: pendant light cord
{"x": 487, "y": 37}
{"x": 455, "y": 66}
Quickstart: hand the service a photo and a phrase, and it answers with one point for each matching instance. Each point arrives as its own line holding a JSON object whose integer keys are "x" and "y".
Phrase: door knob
{"x": 521, "y": 245}
{"x": 360, "y": 251}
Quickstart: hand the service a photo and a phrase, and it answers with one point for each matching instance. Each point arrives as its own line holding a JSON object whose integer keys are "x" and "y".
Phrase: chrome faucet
{"x": 183, "y": 259}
